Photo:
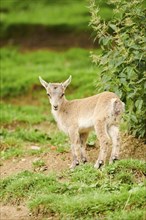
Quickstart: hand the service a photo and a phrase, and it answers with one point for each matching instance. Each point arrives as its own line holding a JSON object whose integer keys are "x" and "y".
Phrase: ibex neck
{"x": 65, "y": 101}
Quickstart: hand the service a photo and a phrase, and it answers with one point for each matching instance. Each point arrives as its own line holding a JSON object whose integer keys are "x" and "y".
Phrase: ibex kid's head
{"x": 55, "y": 92}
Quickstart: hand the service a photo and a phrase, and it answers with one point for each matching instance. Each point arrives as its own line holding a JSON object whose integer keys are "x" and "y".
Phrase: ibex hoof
{"x": 113, "y": 159}
{"x": 74, "y": 164}
{"x": 99, "y": 164}
{"x": 84, "y": 160}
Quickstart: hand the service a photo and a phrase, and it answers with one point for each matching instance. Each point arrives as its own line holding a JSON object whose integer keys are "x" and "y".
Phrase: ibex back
{"x": 101, "y": 112}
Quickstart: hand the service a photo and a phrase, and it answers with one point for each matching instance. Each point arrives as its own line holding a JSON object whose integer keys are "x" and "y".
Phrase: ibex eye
{"x": 62, "y": 95}
{"x": 49, "y": 95}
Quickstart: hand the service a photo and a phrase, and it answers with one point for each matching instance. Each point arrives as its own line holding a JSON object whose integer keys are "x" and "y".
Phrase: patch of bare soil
{"x": 54, "y": 161}
{"x": 20, "y": 212}
{"x": 133, "y": 148}
{"x": 35, "y": 37}
{"x": 31, "y": 98}
{"x": 9, "y": 212}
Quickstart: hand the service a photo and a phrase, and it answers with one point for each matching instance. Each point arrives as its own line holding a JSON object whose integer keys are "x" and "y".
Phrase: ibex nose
{"x": 55, "y": 107}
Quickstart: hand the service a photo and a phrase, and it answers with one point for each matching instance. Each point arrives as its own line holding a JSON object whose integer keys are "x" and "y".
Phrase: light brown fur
{"x": 78, "y": 117}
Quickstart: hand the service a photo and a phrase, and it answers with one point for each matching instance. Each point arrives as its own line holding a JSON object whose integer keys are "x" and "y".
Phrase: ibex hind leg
{"x": 115, "y": 136}
{"x": 83, "y": 139}
{"x": 104, "y": 141}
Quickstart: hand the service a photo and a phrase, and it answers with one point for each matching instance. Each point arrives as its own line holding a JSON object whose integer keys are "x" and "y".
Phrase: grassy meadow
{"x": 28, "y": 129}
{"x": 62, "y": 13}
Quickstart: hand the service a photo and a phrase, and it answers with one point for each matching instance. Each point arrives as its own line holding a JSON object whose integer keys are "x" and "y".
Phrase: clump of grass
{"x": 12, "y": 153}
{"x": 13, "y": 142}
{"x": 19, "y": 186}
{"x": 60, "y": 141}
{"x": 128, "y": 165}
{"x": 125, "y": 177}
{"x": 38, "y": 163}
{"x": 9, "y": 142}
{"x": 85, "y": 193}
{"x": 24, "y": 134}
{"x": 32, "y": 135}
{"x": 10, "y": 146}
{"x": 127, "y": 172}
{"x": 27, "y": 114}
{"x": 137, "y": 214}
{"x": 82, "y": 173}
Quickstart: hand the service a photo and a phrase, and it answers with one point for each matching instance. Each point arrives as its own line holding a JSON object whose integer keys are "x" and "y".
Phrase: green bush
{"x": 122, "y": 58}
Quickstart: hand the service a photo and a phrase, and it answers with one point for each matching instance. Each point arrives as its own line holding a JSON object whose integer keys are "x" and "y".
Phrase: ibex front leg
{"x": 75, "y": 147}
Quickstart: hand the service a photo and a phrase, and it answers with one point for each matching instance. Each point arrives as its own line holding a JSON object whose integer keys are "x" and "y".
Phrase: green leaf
{"x": 113, "y": 26}
{"x": 139, "y": 104}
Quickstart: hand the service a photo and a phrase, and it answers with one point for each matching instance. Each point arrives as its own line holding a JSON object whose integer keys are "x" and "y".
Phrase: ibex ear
{"x": 44, "y": 83}
{"x": 67, "y": 82}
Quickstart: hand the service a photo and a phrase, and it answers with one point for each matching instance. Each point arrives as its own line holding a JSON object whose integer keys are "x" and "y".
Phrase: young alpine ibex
{"x": 101, "y": 112}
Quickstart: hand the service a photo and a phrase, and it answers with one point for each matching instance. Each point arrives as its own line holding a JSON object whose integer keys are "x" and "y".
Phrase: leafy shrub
{"x": 122, "y": 58}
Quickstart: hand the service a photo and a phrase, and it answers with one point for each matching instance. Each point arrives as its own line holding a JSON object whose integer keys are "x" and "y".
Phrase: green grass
{"x": 52, "y": 66}
{"x": 72, "y": 14}
{"x": 25, "y": 114}
{"x": 85, "y": 193}
{"x": 38, "y": 164}
{"x": 115, "y": 193}
{"x": 46, "y": 13}
{"x": 14, "y": 142}
{"x": 19, "y": 79}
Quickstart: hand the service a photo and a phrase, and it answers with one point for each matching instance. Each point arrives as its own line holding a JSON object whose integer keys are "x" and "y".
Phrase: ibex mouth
{"x": 55, "y": 109}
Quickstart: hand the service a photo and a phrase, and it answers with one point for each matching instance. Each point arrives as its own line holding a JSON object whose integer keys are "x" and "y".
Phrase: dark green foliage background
{"x": 123, "y": 58}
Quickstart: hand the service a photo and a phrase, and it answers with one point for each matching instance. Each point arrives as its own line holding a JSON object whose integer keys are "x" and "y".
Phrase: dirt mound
{"x": 133, "y": 148}
{"x": 54, "y": 161}
{"x": 14, "y": 213}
